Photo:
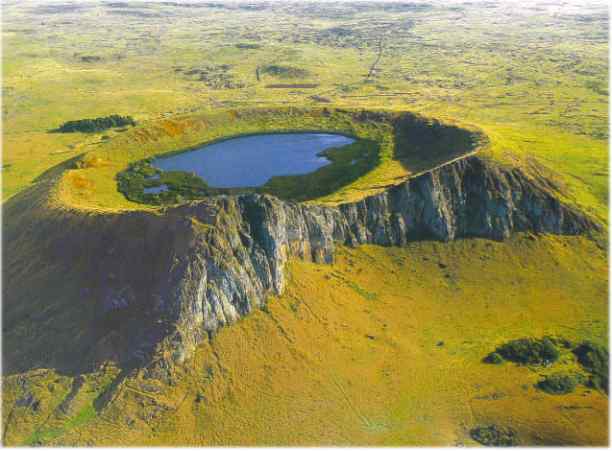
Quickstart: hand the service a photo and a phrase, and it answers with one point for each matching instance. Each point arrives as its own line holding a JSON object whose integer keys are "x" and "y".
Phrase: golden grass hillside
{"x": 383, "y": 347}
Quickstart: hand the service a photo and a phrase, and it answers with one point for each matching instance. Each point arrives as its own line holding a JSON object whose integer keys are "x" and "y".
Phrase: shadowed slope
{"x": 131, "y": 284}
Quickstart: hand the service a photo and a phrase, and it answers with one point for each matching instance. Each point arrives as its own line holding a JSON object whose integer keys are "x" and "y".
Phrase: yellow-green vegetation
{"x": 391, "y": 147}
{"x": 535, "y": 83}
{"x": 383, "y": 347}
{"x": 388, "y": 148}
{"x": 386, "y": 345}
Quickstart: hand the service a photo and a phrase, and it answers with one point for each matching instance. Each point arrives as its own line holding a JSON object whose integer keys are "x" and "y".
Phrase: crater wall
{"x": 169, "y": 280}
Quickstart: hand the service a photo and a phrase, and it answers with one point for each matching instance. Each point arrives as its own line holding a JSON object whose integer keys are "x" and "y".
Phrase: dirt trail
{"x": 376, "y": 61}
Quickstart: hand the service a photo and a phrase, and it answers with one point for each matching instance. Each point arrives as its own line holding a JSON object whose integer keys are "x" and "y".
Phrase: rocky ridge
{"x": 240, "y": 244}
{"x": 166, "y": 281}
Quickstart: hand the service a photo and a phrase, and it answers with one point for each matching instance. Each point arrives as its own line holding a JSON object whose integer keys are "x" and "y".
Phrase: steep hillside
{"x": 181, "y": 273}
{"x": 114, "y": 296}
{"x": 383, "y": 346}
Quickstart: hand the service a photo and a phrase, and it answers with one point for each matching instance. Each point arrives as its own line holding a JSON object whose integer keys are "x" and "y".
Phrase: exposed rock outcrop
{"x": 175, "y": 277}
{"x": 241, "y": 244}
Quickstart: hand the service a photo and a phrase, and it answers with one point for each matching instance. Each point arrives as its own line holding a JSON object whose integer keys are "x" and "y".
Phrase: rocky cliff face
{"x": 241, "y": 244}
{"x": 171, "y": 279}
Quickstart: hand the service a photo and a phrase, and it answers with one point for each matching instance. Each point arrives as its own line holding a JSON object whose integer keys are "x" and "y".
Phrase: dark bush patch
{"x": 90, "y": 58}
{"x": 594, "y": 359}
{"x": 529, "y": 351}
{"x": 179, "y": 185}
{"x": 214, "y": 76}
{"x": 493, "y": 358}
{"x": 557, "y": 384}
{"x": 494, "y": 435}
{"x": 320, "y": 99}
{"x": 561, "y": 342}
{"x": 247, "y": 46}
{"x": 284, "y": 71}
{"x": 95, "y": 125}
{"x": 371, "y": 116}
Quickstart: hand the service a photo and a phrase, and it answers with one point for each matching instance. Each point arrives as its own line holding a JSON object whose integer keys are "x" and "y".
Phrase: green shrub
{"x": 494, "y": 435}
{"x": 284, "y": 71}
{"x": 594, "y": 359}
{"x": 557, "y": 384}
{"x": 180, "y": 186}
{"x": 95, "y": 125}
{"x": 529, "y": 351}
{"x": 493, "y": 358}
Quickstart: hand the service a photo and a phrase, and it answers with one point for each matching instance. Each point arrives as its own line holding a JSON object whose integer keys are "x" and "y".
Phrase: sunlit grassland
{"x": 383, "y": 347}
{"x": 94, "y": 185}
{"x": 536, "y": 83}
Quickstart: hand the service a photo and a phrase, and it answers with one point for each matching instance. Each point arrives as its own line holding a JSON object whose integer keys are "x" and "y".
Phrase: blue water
{"x": 251, "y": 160}
{"x": 156, "y": 189}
